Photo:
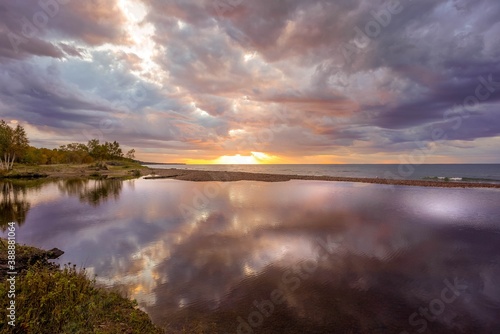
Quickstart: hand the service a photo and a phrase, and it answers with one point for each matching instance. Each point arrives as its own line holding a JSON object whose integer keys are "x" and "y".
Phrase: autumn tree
{"x": 75, "y": 153}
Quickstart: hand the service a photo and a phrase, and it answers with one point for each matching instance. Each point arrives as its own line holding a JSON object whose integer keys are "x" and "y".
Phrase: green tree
{"x": 5, "y": 143}
{"x": 131, "y": 154}
{"x": 13, "y": 144}
{"x": 96, "y": 150}
{"x": 20, "y": 142}
{"x": 107, "y": 150}
{"x": 113, "y": 150}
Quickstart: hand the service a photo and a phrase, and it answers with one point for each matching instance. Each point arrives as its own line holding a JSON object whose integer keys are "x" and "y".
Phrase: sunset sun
{"x": 253, "y": 159}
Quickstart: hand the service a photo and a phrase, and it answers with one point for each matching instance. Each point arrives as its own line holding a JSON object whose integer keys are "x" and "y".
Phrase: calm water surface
{"x": 291, "y": 257}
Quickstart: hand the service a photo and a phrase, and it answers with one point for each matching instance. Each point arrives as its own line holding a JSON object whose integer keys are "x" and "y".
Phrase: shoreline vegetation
{"x": 119, "y": 169}
{"x": 50, "y": 299}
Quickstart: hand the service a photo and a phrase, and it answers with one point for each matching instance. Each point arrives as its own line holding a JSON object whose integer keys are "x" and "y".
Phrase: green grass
{"x": 120, "y": 169}
{"x": 50, "y": 300}
{"x": 23, "y": 253}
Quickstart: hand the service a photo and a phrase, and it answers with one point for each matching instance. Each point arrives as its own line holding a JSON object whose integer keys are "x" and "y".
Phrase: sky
{"x": 261, "y": 81}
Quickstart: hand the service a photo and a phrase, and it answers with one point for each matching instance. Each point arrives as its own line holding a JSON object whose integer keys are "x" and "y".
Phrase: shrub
{"x": 66, "y": 301}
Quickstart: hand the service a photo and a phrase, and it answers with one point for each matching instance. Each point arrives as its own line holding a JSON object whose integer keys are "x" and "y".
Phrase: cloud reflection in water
{"x": 391, "y": 251}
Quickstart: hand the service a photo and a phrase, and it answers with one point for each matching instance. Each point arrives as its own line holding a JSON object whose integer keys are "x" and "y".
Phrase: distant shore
{"x": 122, "y": 170}
{"x": 203, "y": 176}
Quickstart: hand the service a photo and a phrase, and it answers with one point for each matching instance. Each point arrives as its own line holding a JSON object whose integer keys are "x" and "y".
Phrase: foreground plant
{"x": 51, "y": 301}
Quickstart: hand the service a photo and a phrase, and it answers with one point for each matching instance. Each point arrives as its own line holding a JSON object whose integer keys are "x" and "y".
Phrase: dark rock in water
{"x": 54, "y": 253}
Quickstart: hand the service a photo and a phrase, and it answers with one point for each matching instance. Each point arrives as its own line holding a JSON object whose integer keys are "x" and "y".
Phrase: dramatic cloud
{"x": 302, "y": 81}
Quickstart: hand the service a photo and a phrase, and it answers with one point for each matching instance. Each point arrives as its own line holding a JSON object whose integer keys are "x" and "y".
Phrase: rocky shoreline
{"x": 27, "y": 256}
{"x": 204, "y": 176}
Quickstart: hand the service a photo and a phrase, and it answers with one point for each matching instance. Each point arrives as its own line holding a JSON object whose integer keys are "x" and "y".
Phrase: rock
{"x": 54, "y": 253}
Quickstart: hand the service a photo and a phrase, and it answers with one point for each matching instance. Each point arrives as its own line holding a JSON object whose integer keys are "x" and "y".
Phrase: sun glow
{"x": 248, "y": 56}
{"x": 253, "y": 159}
{"x": 236, "y": 160}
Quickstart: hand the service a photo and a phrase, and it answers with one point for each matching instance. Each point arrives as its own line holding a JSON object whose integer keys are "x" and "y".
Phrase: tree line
{"x": 14, "y": 147}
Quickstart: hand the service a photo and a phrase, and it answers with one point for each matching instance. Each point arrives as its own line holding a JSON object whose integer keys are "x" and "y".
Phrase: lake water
{"x": 460, "y": 172}
{"x": 286, "y": 257}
